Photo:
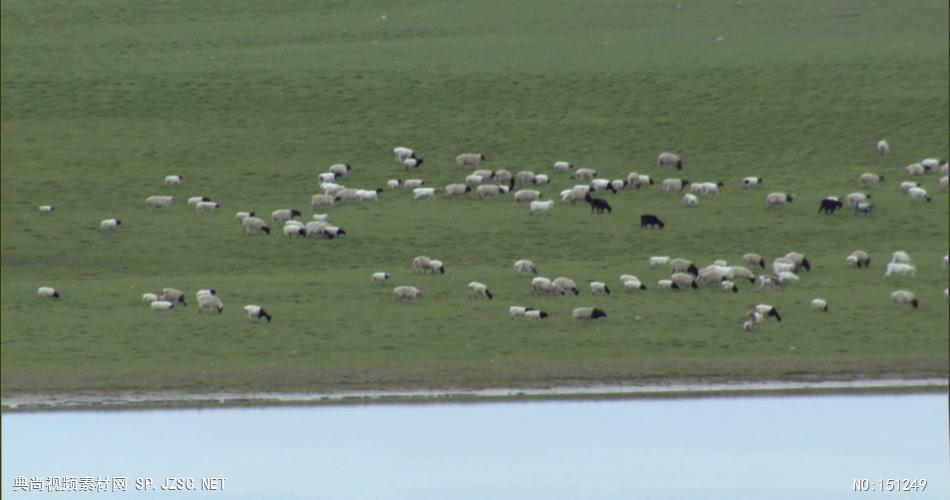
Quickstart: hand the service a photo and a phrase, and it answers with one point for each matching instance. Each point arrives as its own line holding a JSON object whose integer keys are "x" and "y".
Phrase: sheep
{"x": 423, "y": 194}
{"x": 858, "y": 258}
{"x": 526, "y": 195}
{"x": 585, "y": 313}
{"x": 254, "y": 225}
{"x": 292, "y": 230}
{"x": 782, "y": 264}
{"x": 173, "y": 295}
{"x": 330, "y": 232}
{"x": 205, "y": 291}
{"x": 284, "y": 214}
{"x": 406, "y": 293}
{"x": 473, "y": 180}
{"x": 45, "y": 209}
{"x": 669, "y": 160}
{"x": 785, "y": 277}
{"x": 868, "y": 179}
{"x": 666, "y": 285}
{"x": 751, "y": 182}
{"x": 173, "y": 180}
{"x": 478, "y": 290}
{"x": 709, "y": 276}
{"x": 402, "y": 154}
{"x": 567, "y": 285}
{"x": 565, "y": 195}
{"x": 206, "y": 207}
{"x": 855, "y": 198}
{"x": 945, "y": 168}
{"x": 322, "y": 200}
{"x": 737, "y": 272}
{"x": 617, "y": 184}
{"x": 674, "y": 185}
{"x": 109, "y": 224}
{"x": 452, "y": 190}
{"x": 944, "y": 182}
{"x": 327, "y": 177}
{"x": 340, "y": 169}
{"x": 316, "y": 229}
{"x": 659, "y": 260}
{"x": 916, "y": 193}
{"x": 649, "y": 220}
{"x": 901, "y": 257}
{"x": 535, "y": 314}
{"x": 690, "y": 200}
{"x": 601, "y": 185}
{"x": 412, "y": 163}
{"x": 800, "y": 261}
{"x": 347, "y": 195}
{"x": 768, "y": 281}
{"x": 503, "y": 176}
{"x": 930, "y": 164}
{"x": 485, "y": 174}
{"x": 524, "y": 177}
{"x": 683, "y": 281}
{"x": 899, "y": 269}
{"x": 161, "y": 305}
{"x": 562, "y": 166}
{"x": 864, "y": 208}
{"x": 882, "y": 147}
{"x": 598, "y": 204}
{"x": 413, "y": 183}
{"x": 518, "y": 311}
{"x": 255, "y": 312}
{"x": 240, "y": 216}
{"x": 728, "y": 286}
{"x": 469, "y": 159}
{"x": 47, "y": 292}
{"x": 584, "y": 174}
{"x": 427, "y": 265}
{"x": 904, "y": 297}
{"x": 779, "y": 199}
{"x": 819, "y": 305}
{"x": 393, "y": 183}
{"x": 829, "y": 206}
{"x": 599, "y": 287}
{"x": 194, "y": 200}
{"x": 544, "y": 286}
{"x": 525, "y": 266}
{"x": 540, "y": 207}
{"x": 210, "y": 301}
{"x": 637, "y": 181}
{"x": 945, "y": 261}
{"x": 750, "y": 324}
{"x": 148, "y": 298}
{"x": 915, "y": 169}
{"x": 489, "y": 190}
{"x": 768, "y": 311}
{"x": 631, "y": 283}
{"x": 710, "y": 188}
{"x": 541, "y": 180}
{"x": 579, "y": 192}
{"x": 753, "y": 259}
{"x": 684, "y": 266}
{"x": 159, "y": 201}
{"x": 364, "y": 195}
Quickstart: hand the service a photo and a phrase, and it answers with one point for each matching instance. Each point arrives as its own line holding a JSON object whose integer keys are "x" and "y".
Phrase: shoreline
{"x": 131, "y": 400}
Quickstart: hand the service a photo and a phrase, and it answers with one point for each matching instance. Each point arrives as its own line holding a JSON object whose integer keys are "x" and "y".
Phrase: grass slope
{"x": 249, "y": 101}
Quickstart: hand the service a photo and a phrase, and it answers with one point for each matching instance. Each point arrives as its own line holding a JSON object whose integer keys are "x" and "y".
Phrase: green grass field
{"x": 250, "y": 101}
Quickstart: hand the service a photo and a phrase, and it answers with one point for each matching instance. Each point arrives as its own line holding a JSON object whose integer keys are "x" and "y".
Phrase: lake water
{"x": 711, "y": 448}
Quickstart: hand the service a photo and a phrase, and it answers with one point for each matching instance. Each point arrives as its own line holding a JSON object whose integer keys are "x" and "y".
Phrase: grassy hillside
{"x": 250, "y": 101}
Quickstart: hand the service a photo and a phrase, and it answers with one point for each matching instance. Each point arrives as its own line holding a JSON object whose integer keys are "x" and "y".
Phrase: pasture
{"x": 250, "y": 102}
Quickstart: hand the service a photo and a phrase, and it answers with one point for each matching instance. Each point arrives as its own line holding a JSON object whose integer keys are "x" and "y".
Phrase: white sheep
{"x": 173, "y": 180}
{"x": 210, "y": 301}
{"x": 291, "y": 230}
{"x": 427, "y": 265}
{"x": 728, "y": 286}
{"x": 392, "y": 183}
{"x": 858, "y": 258}
{"x": 474, "y": 180}
{"x": 331, "y": 188}
{"x": 567, "y": 285}
{"x": 194, "y": 200}
{"x": 669, "y": 160}
{"x": 600, "y": 185}
{"x": 751, "y": 182}
{"x": 535, "y": 314}
{"x": 255, "y": 312}
{"x": 819, "y": 305}
{"x": 490, "y": 190}
{"x": 659, "y": 260}
{"x": 525, "y": 266}
{"x": 916, "y": 193}
{"x": 562, "y": 166}
{"x": 524, "y": 177}
{"x": 768, "y": 311}
{"x": 469, "y": 159}
{"x": 585, "y": 174}
{"x": 540, "y": 207}
{"x": 478, "y": 290}
{"x": 599, "y": 287}
{"x": 254, "y": 225}
{"x": 899, "y": 269}
{"x": 644, "y": 180}
{"x": 518, "y": 311}
{"x": 540, "y": 180}
{"x": 173, "y": 295}
{"x": 423, "y": 194}
{"x": 906, "y": 185}
{"x": 565, "y": 195}
{"x": 45, "y": 209}
{"x": 666, "y": 284}
{"x": 406, "y": 293}
{"x": 785, "y": 277}
{"x": 684, "y": 281}
{"x": 322, "y": 200}
{"x": 109, "y": 224}
{"x": 327, "y": 177}
{"x": 282, "y": 215}
{"x": 631, "y": 283}
{"x": 868, "y": 179}
{"x": 882, "y": 147}
{"x": 526, "y": 195}
{"x": 904, "y": 297}
{"x": 710, "y": 188}
{"x": 148, "y": 298}
{"x": 501, "y": 176}
{"x": 783, "y": 264}
{"x": 340, "y": 169}
{"x": 457, "y": 190}
{"x": 47, "y": 292}
{"x": 544, "y": 286}
{"x": 901, "y": 257}
{"x": 690, "y": 200}
{"x": 930, "y": 164}
{"x": 380, "y": 277}
{"x": 855, "y": 198}
{"x": 206, "y": 207}
{"x": 779, "y": 199}
{"x": 161, "y": 305}
{"x": 674, "y": 185}
{"x": 944, "y": 182}
{"x": 585, "y": 313}
{"x": 683, "y": 266}
{"x": 753, "y": 259}
{"x": 410, "y": 163}
{"x": 579, "y": 192}
{"x": 240, "y": 216}
{"x": 159, "y": 201}
{"x": 402, "y": 153}
{"x": 413, "y": 183}
{"x": 366, "y": 195}
{"x": 915, "y": 169}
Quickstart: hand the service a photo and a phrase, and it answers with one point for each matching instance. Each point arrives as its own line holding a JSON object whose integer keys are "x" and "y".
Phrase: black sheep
{"x": 651, "y": 220}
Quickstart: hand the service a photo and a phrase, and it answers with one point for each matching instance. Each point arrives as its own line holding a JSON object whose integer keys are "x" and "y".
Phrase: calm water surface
{"x": 719, "y": 448}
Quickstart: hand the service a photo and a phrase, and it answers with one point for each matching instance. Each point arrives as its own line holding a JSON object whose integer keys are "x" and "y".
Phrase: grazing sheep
{"x": 525, "y": 266}
{"x": 709, "y": 276}
{"x": 674, "y": 185}
{"x": 45, "y": 209}
{"x": 330, "y": 232}
{"x": 684, "y": 266}
{"x": 159, "y": 201}
{"x": 544, "y": 286}
{"x": 599, "y": 287}
{"x": 210, "y": 301}
{"x": 740, "y": 272}
{"x": 601, "y": 185}
{"x": 868, "y": 179}
{"x": 666, "y": 285}
{"x": 567, "y": 284}
{"x": 858, "y": 258}
{"x": 710, "y": 188}
{"x": 659, "y": 260}
{"x": 254, "y": 225}
{"x": 194, "y": 200}
{"x": 469, "y": 159}
{"x": 393, "y": 183}
{"x": 327, "y": 177}
{"x": 284, "y": 214}
{"x": 562, "y": 166}
{"x": 240, "y": 216}
{"x": 855, "y": 198}
{"x": 291, "y": 230}
{"x": 474, "y": 180}
{"x": 206, "y": 207}
{"x": 750, "y": 324}
{"x": 916, "y": 193}
{"x": 904, "y": 297}
{"x": 644, "y": 180}
{"x": 148, "y": 298}
{"x": 402, "y": 154}
{"x": 478, "y": 290}
{"x": 518, "y": 311}
{"x": 684, "y": 281}
{"x": 365, "y": 195}
{"x": 579, "y": 192}
{"x": 406, "y": 293}
{"x": 778, "y": 199}
{"x": 930, "y": 164}
{"x": 899, "y": 269}
{"x": 47, "y": 292}
{"x": 347, "y": 195}
{"x": 173, "y": 295}
{"x": 109, "y": 224}
{"x": 485, "y": 174}
{"x": 800, "y": 261}
{"x": 540, "y": 207}
{"x": 906, "y": 185}
{"x": 598, "y": 204}
{"x": 944, "y": 182}
{"x": 915, "y": 169}
{"x": 502, "y": 176}
{"x": 380, "y": 277}
{"x": 768, "y": 281}
{"x": 322, "y": 200}
{"x": 669, "y": 160}
{"x": 256, "y": 313}
{"x": 690, "y": 200}
{"x": 413, "y": 183}
{"x": 423, "y": 194}
{"x": 457, "y": 190}
{"x": 490, "y": 190}
{"x": 534, "y": 314}
{"x": 617, "y": 184}
{"x": 785, "y": 277}
{"x": 882, "y": 147}
{"x": 526, "y": 195}
{"x": 340, "y": 169}
{"x": 901, "y": 257}
{"x": 631, "y": 283}
{"x": 783, "y": 264}
{"x": 540, "y": 180}
{"x": 751, "y": 182}
{"x": 412, "y": 163}
{"x": 584, "y": 313}
{"x": 173, "y": 180}
{"x": 768, "y": 311}
{"x": 566, "y": 195}
{"x": 427, "y": 265}
{"x": 728, "y": 286}
{"x": 945, "y": 168}
{"x": 864, "y": 208}
{"x": 161, "y": 305}
{"x": 753, "y": 259}
{"x": 819, "y": 305}
{"x": 585, "y": 175}
{"x": 524, "y": 177}
{"x": 205, "y": 291}
{"x": 649, "y": 220}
